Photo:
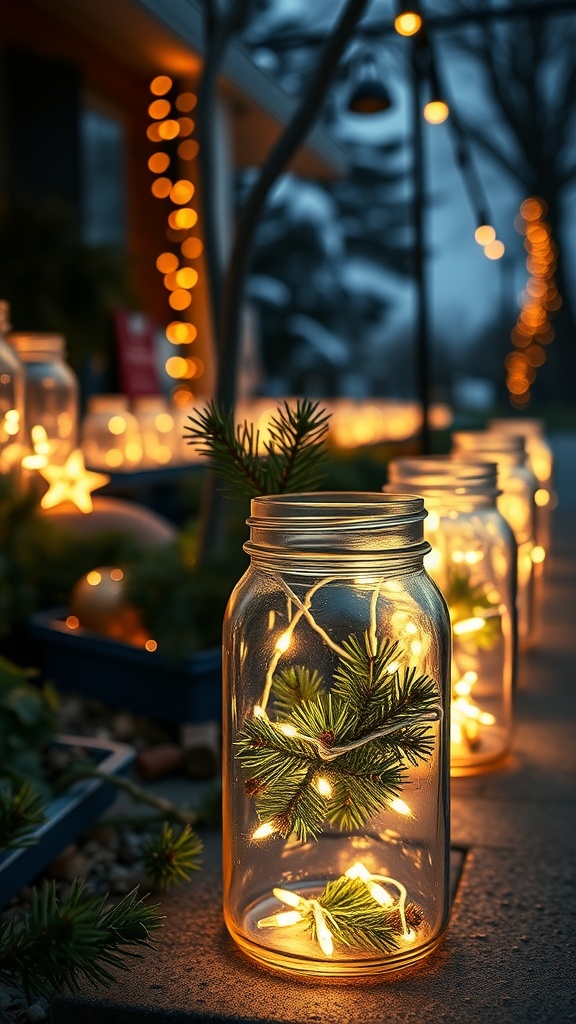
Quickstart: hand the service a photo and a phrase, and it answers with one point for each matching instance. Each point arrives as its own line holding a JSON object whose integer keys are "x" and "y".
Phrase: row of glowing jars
{"x": 147, "y": 433}
{"x": 473, "y": 561}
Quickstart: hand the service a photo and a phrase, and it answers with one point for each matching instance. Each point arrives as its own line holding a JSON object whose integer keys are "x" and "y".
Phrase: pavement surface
{"x": 509, "y": 953}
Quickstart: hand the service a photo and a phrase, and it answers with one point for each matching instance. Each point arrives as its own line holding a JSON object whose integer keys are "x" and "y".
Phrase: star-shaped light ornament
{"x": 71, "y": 482}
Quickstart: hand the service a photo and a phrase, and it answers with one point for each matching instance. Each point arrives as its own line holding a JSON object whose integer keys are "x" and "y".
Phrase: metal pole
{"x": 418, "y": 211}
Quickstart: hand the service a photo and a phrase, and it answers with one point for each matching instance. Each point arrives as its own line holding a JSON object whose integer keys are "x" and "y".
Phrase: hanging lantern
{"x": 473, "y": 561}
{"x": 336, "y": 682}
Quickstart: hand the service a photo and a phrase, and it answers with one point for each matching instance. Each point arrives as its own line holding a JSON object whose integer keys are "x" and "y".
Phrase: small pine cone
{"x": 254, "y": 787}
{"x": 283, "y": 825}
{"x": 413, "y": 913}
{"x": 327, "y": 737}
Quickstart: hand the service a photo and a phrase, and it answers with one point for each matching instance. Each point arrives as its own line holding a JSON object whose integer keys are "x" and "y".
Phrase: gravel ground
{"x": 109, "y": 856}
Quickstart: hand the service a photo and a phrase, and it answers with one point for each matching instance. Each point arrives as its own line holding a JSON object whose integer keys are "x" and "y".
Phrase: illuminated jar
{"x": 50, "y": 398}
{"x": 157, "y": 425}
{"x": 336, "y": 655}
{"x": 541, "y": 461}
{"x": 11, "y": 399}
{"x": 473, "y": 561}
{"x": 518, "y": 486}
{"x": 110, "y": 434}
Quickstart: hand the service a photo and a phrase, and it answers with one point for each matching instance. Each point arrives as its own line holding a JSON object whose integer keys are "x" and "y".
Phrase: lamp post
{"x": 418, "y": 71}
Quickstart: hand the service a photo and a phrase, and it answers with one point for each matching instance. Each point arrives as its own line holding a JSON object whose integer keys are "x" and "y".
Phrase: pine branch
{"x": 466, "y": 601}
{"x": 296, "y": 448}
{"x": 170, "y": 858}
{"x": 355, "y": 911}
{"x": 357, "y": 921}
{"x": 138, "y": 793}
{"x": 293, "y": 454}
{"x": 57, "y": 944}
{"x": 295, "y": 685}
{"x": 340, "y": 757}
{"x": 20, "y": 814}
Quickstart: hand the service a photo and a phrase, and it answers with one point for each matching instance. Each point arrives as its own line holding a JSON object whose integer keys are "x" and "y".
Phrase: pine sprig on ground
{"x": 20, "y": 814}
{"x": 171, "y": 856}
{"x": 56, "y": 944}
{"x": 342, "y": 756}
{"x": 293, "y": 456}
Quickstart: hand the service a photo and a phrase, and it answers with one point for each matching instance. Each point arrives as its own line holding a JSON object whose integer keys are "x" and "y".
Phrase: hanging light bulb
{"x": 407, "y": 22}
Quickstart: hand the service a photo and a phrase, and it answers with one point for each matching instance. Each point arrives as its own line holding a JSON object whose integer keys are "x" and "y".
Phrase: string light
{"x": 436, "y": 111}
{"x": 539, "y": 300}
{"x": 407, "y": 23}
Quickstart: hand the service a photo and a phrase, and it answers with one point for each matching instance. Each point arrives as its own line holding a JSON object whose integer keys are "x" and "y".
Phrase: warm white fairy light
{"x": 467, "y": 557}
{"x": 538, "y": 554}
{"x": 283, "y": 642}
{"x": 471, "y": 625}
{"x": 400, "y": 806}
{"x": 393, "y": 667}
{"x": 323, "y": 933}
{"x": 382, "y": 896}
{"x": 288, "y": 730}
{"x": 323, "y": 787}
{"x": 463, "y": 687}
{"x": 263, "y": 831}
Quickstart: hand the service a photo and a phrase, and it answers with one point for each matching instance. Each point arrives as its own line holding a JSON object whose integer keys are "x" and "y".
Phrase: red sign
{"x": 136, "y": 354}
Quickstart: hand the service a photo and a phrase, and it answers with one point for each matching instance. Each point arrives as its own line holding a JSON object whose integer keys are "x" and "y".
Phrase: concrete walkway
{"x": 509, "y": 955}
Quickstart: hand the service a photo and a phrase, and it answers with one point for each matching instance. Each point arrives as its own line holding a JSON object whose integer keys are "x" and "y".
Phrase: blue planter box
{"x": 126, "y": 676}
{"x": 68, "y": 815}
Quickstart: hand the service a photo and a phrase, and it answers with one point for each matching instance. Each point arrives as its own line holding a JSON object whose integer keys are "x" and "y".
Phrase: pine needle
{"x": 293, "y": 455}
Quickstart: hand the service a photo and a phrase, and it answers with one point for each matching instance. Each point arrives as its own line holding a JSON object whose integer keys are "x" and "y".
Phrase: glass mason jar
{"x": 336, "y": 654}
{"x": 157, "y": 424}
{"x": 110, "y": 434}
{"x": 51, "y": 397}
{"x": 473, "y": 561}
{"x": 540, "y": 460}
{"x": 11, "y": 399}
{"x": 518, "y": 486}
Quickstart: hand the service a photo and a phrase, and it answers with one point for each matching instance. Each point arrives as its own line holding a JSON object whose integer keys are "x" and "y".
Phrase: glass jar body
{"x": 516, "y": 502}
{"x": 110, "y": 434}
{"x": 11, "y": 409}
{"x": 473, "y": 559}
{"x": 322, "y": 788}
{"x": 51, "y": 396}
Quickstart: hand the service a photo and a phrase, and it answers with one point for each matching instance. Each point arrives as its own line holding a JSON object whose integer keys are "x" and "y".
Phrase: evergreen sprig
{"x": 294, "y": 453}
{"x": 376, "y": 713}
{"x": 21, "y": 812}
{"x": 356, "y": 920}
{"x": 171, "y": 856}
{"x": 465, "y": 600}
{"x": 292, "y": 686}
{"x": 57, "y": 944}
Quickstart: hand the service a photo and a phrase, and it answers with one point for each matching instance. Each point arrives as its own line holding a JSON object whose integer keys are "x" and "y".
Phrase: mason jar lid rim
{"x": 338, "y": 501}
